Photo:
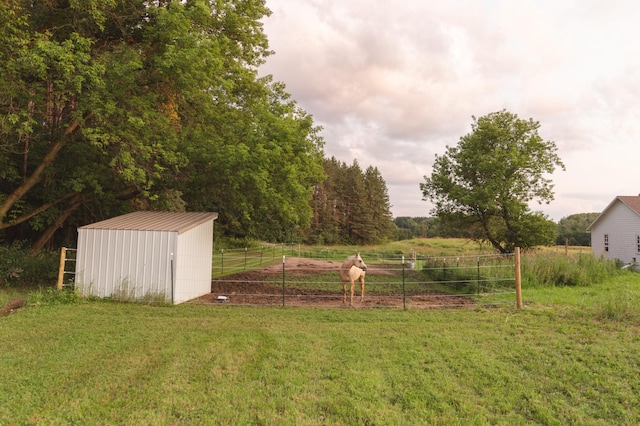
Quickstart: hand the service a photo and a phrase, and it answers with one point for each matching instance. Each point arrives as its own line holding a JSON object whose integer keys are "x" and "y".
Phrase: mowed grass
{"x": 571, "y": 356}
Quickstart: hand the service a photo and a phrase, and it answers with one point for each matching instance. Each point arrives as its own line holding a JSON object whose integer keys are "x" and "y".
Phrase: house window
{"x": 606, "y": 242}
{"x": 638, "y": 243}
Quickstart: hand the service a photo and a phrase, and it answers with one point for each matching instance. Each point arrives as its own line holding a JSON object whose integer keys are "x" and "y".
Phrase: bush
{"x": 19, "y": 268}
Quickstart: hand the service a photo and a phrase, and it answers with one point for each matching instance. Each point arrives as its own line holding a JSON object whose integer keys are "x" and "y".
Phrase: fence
{"x": 265, "y": 276}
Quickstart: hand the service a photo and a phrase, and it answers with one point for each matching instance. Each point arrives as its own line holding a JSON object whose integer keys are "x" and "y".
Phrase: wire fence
{"x": 265, "y": 276}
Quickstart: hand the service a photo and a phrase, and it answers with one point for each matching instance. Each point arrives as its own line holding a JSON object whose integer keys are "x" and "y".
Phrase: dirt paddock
{"x": 258, "y": 287}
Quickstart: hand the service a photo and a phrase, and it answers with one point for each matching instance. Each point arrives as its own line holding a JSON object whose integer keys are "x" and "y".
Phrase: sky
{"x": 394, "y": 82}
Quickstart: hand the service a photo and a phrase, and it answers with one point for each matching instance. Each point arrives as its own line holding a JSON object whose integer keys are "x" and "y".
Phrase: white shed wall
{"x": 622, "y": 226}
{"x": 129, "y": 264}
{"x": 193, "y": 263}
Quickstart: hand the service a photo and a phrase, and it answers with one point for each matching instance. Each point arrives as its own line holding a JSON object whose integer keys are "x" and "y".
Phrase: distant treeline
{"x": 571, "y": 230}
{"x": 350, "y": 206}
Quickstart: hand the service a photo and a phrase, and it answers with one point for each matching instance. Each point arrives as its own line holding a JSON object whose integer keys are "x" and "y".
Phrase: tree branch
{"x": 35, "y": 177}
{"x": 75, "y": 202}
{"x": 33, "y": 213}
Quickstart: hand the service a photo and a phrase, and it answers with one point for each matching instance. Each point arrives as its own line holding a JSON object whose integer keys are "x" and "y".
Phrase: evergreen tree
{"x": 350, "y": 206}
{"x": 378, "y": 205}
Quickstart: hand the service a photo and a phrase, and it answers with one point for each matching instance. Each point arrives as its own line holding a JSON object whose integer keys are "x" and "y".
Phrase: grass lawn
{"x": 571, "y": 356}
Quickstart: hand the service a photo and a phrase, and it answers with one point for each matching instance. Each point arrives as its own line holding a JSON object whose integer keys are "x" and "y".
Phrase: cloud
{"x": 393, "y": 83}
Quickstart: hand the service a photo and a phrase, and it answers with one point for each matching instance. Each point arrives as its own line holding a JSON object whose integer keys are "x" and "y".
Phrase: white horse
{"x": 351, "y": 270}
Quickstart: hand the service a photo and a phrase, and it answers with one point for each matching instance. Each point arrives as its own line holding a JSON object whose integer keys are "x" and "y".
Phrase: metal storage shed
{"x": 146, "y": 255}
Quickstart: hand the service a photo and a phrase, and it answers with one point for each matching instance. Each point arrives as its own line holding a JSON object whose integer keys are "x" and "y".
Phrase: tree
{"x": 486, "y": 182}
{"x": 573, "y": 229}
{"x": 378, "y": 204}
{"x": 350, "y": 206}
{"x": 108, "y": 107}
{"x": 412, "y": 227}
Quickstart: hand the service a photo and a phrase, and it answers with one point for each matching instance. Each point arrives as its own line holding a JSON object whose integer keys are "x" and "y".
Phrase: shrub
{"x": 19, "y": 268}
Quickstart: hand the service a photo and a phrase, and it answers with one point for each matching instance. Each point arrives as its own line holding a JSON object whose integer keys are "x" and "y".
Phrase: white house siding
{"x": 193, "y": 263}
{"x": 130, "y": 264}
{"x": 622, "y": 226}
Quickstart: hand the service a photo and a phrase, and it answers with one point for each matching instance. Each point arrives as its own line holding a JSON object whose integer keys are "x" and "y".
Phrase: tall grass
{"x": 548, "y": 269}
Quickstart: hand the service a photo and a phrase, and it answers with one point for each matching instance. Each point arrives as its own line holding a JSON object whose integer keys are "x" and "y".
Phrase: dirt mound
{"x": 12, "y": 306}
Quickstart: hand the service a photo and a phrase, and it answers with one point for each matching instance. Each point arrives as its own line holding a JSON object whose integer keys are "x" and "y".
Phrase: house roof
{"x": 631, "y": 201}
{"x": 154, "y": 221}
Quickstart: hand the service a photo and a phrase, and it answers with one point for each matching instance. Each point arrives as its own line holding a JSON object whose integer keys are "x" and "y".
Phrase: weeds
{"x": 52, "y": 296}
{"x": 545, "y": 269}
{"x": 19, "y": 268}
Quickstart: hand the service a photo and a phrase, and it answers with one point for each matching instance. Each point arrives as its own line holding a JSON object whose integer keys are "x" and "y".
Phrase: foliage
{"x": 19, "y": 268}
{"x": 411, "y": 227}
{"x": 572, "y": 230}
{"x": 108, "y": 107}
{"x": 428, "y": 227}
{"x": 350, "y": 206}
{"x": 52, "y": 296}
{"x": 546, "y": 269}
{"x": 485, "y": 183}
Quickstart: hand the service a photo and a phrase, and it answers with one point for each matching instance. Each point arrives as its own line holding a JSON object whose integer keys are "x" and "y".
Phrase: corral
{"x": 391, "y": 284}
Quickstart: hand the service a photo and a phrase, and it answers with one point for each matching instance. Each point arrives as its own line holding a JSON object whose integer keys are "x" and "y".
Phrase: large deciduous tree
{"x": 486, "y": 182}
{"x": 108, "y": 106}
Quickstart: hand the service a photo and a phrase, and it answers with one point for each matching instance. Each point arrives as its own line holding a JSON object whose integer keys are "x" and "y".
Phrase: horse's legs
{"x": 361, "y": 289}
{"x": 344, "y": 292}
{"x": 352, "y": 288}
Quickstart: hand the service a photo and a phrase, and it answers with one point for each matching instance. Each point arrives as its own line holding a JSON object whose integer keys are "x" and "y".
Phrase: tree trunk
{"x": 489, "y": 236}
{"x": 35, "y": 177}
{"x": 46, "y": 236}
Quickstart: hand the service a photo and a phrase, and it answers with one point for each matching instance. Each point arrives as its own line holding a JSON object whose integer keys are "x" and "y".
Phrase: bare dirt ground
{"x": 259, "y": 287}
{"x": 12, "y": 307}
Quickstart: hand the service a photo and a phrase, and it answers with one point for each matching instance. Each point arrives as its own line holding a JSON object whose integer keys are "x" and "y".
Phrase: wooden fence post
{"x": 63, "y": 258}
{"x": 518, "y": 279}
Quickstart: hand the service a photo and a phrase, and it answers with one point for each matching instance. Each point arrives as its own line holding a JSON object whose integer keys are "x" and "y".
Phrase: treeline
{"x": 110, "y": 107}
{"x": 571, "y": 230}
{"x": 350, "y": 206}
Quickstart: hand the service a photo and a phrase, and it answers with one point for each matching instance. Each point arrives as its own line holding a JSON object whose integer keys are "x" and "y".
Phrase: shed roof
{"x": 631, "y": 201}
{"x": 154, "y": 221}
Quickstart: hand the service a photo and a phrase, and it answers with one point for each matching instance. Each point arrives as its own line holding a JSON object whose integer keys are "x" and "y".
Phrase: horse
{"x": 351, "y": 270}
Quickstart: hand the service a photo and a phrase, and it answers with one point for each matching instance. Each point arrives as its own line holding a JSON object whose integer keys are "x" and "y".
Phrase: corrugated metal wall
{"x": 193, "y": 263}
{"x": 125, "y": 264}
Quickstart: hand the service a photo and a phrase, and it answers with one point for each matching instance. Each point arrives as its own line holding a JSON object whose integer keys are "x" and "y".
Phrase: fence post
{"x": 518, "y": 279}
{"x": 283, "y": 257}
{"x": 404, "y": 293}
{"x": 245, "y": 258}
{"x": 444, "y": 269}
{"x": 63, "y": 258}
{"x": 478, "y": 275}
{"x": 221, "y": 261}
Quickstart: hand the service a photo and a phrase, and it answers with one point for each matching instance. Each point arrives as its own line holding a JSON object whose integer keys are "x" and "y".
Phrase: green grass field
{"x": 571, "y": 356}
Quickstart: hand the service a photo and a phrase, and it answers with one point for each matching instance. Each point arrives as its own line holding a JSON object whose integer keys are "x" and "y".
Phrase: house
{"x": 145, "y": 255}
{"x": 615, "y": 234}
